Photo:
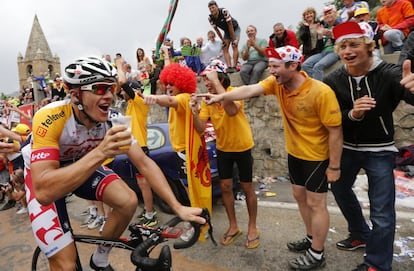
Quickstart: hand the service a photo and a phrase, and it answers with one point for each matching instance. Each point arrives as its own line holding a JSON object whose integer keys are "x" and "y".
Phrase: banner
{"x": 166, "y": 28}
{"x": 198, "y": 169}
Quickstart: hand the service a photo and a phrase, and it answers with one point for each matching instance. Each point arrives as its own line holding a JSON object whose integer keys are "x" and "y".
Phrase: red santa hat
{"x": 284, "y": 54}
{"x": 347, "y": 30}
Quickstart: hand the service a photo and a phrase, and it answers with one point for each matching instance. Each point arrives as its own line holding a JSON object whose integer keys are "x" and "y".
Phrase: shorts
{"x": 310, "y": 174}
{"x": 51, "y": 224}
{"x": 236, "y": 34}
{"x": 243, "y": 160}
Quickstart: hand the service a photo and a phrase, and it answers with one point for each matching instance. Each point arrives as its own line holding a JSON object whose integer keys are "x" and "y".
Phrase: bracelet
{"x": 334, "y": 168}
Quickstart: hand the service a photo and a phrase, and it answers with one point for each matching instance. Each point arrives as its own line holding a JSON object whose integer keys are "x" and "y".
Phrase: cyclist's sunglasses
{"x": 100, "y": 88}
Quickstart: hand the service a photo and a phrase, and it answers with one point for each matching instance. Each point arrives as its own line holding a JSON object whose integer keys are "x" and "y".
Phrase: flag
{"x": 166, "y": 28}
{"x": 198, "y": 169}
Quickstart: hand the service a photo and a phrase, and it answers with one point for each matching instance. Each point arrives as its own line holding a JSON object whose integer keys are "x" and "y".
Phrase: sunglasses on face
{"x": 169, "y": 84}
{"x": 100, "y": 88}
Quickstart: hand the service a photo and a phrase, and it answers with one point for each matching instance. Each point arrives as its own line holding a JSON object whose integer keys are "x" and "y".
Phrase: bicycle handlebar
{"x": 140, "y": 256}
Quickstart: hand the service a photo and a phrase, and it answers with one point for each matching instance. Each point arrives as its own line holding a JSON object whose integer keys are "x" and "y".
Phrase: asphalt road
{"x": 278, "y": 220}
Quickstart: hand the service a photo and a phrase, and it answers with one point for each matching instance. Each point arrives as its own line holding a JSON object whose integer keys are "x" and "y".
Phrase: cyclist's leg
{"x": 122, "y": 200}
{"x": 51, "y": 229}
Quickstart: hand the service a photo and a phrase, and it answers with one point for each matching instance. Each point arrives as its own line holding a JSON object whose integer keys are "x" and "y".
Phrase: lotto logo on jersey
{"x": 40, "y": 131}
{"x": 39, "y": 155}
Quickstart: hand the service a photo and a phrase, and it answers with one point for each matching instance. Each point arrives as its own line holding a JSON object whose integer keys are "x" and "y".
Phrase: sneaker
{"x": 8, "y": 205}
{"x": 364, "y": 267}
{"x": 97, "y": 268}
{"x": 350, "y": 244}
{"x": 299, "y": 246}
{"x": 307, "y": 262}
{"x": 88, "y": 220}
{"x": 142, "y": 214}
{"x": 148, "y": 222}
{"x": 98, "y": 222}
{"x": 22, "y": 210}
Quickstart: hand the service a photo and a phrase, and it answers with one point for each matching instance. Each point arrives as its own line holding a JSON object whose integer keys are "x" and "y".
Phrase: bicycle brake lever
{"x": 206, "y": 214}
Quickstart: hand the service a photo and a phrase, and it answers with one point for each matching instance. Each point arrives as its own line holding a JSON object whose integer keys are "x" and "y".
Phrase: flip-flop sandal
{"x": 227, "y": 239}
{"x": 253, "y": 243}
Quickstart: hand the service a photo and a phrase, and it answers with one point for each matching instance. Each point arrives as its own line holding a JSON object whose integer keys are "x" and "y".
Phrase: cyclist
{"x": 70, "y": 141}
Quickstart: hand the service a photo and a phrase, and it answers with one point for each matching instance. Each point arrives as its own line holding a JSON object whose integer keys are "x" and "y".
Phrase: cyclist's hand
{"x": 190, "y": 214}
{"x": 116, "y": 141}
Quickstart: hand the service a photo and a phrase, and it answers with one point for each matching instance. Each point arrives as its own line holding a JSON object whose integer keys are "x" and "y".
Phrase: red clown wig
{"x": 180, "y": 76}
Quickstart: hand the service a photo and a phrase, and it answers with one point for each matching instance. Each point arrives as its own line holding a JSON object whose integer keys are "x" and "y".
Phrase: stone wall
{"x": 266, "y": 122}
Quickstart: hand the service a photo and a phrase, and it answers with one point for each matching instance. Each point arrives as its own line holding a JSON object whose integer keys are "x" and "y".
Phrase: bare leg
{"x": 226, "y": 53}
{"x": 146, "y": 194}
{"x": 251, "y": 202}
{"x": 227, "y": 195}
{"x": 64, "y": 260}
{"x": 319, "y": 217}
{"x": 299, "y": 193}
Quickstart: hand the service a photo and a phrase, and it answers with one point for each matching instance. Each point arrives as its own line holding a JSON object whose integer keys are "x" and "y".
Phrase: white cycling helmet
{"x": 88, "y": 70}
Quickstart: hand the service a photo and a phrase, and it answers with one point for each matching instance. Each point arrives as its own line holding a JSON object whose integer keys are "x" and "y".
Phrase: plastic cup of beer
{"x": 122, "y": 121}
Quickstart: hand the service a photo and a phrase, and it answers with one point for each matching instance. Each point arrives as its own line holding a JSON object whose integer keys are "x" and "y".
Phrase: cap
{"x": 21, "y": 129}
{"x": 284, "y": 54}
{"x": 347, "y": 30}
{"x": 361, "y": 11}
{"x": 215, "y": 65}
{"x": 328, "y": 8}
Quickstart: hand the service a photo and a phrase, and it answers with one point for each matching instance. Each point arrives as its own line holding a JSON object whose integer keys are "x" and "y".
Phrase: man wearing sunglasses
{"x": 71, "y": 140}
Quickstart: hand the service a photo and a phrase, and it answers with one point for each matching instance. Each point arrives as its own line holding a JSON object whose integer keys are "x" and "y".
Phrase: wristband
{"x": 334, "y": 168}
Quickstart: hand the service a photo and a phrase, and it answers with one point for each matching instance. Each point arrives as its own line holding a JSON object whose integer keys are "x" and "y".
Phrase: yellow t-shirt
{"x": 176, "y": 122}
{"x": 139, "y": 113}
{"x": 306, "y": 112}
{"x": 233, "y": 133}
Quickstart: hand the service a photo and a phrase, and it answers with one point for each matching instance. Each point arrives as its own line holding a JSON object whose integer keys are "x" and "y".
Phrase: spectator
{"x": 313, "y": 137}
{"x": 200, "y": 42}
{"x": 253, "y": 52}
{"x": 362, "y": 15}
{"x": 308, "y": 34}
{"x": 142, "y": 59}
{"x": 221, "y": 18}
{"x": 368, "y": 91}
{"x": 282, "y": 37}
{"x": 15, "y": 192}
{"x": 58, "y": 90}
{"x": 315, "y": 65}
{"x": 191, "y": 55}
{"x": 350, "y": 6}
{"x": 229, "y": 123}
{"x": 395, "y": 19}
{"x": 213, "y": 49}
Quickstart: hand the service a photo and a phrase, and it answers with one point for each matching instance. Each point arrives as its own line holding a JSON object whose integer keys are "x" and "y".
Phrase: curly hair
{"x": 180, "y": 76}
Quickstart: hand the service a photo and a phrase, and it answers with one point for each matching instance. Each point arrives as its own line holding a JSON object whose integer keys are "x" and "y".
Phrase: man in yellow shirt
{"x": 313, "y": 134}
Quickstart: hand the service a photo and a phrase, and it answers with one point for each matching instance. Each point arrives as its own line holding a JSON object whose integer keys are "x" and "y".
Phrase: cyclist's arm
{"x": 52, "y": 182}
{"x": 159, "y": 184}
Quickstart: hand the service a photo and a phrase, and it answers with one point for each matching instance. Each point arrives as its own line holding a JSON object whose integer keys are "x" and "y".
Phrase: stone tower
{"x": 37, "y": 61}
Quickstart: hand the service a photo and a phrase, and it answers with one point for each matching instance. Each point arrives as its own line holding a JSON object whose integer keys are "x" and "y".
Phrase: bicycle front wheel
{"x": 39, "y": 261}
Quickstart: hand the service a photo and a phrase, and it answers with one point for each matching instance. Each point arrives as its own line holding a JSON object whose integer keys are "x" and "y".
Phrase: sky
{"x": 95, "y": 27}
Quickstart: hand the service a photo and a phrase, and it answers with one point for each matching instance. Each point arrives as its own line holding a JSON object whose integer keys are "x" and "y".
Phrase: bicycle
{"x": 141, "y": 242}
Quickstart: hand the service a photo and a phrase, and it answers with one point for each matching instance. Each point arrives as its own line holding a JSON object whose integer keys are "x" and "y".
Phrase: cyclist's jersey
{"x": 58, "y": 135}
